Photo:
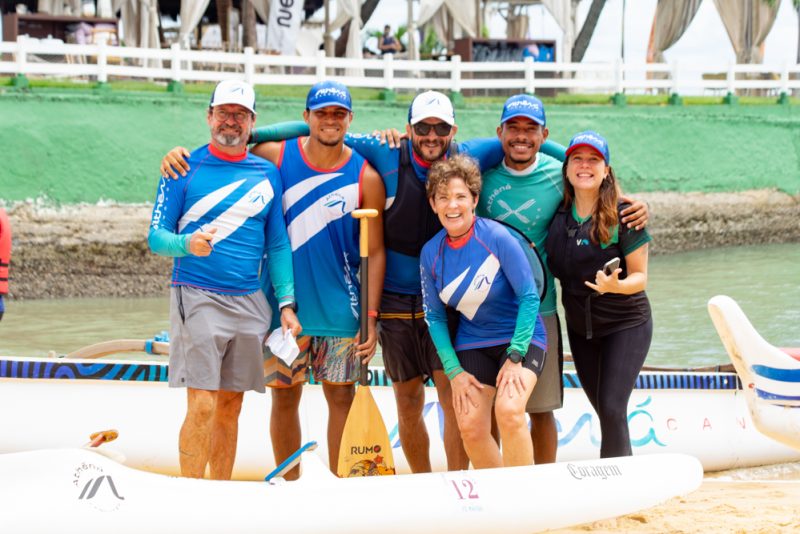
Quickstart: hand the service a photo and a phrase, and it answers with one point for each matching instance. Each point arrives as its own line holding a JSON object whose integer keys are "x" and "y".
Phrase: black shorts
{"x": 484, "y": 363}
{"x": 408, "y": 350}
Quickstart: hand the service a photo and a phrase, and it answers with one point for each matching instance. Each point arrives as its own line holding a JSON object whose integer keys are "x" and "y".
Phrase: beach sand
{"x": 719, "y": 505}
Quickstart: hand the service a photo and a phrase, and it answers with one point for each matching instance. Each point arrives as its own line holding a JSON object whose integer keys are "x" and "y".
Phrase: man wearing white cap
{"x": 324, "y": 181}
{"x": 408, "y": 351}
{"x": 217, "y": 222}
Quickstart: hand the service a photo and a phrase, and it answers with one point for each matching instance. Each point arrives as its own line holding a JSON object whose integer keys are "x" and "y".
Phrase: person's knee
{"x": 410, "y": 400}
{"x": 201, "y": 404}
{"x": 286, "y": 399}
{"x": 509, "y": 414}
{"x": 615, "y": 412}
{"x": 472, "y": 430}
{"x": 229, "y": 404}
{"x": 339, "y": 397}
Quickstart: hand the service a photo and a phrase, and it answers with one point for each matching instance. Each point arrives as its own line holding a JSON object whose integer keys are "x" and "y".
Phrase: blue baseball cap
{"x": 592, "y": 140}
{"x": 329, "y": 93}
{"x": 524, "y": 106}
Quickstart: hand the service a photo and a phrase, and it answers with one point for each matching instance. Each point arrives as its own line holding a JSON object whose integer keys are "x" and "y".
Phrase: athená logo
{"x": 330, "y": 91}
{"x": 97, "y": 488}
{"x": 588, "y": 138}
{"x": 524, "y": 104}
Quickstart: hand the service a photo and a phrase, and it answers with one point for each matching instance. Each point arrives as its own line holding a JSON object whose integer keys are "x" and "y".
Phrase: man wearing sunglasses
{"x": 217, "y": 222}
{"x": 408, "y": 351}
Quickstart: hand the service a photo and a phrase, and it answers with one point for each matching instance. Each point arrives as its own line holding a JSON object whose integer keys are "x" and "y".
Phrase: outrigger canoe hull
{"x": 81, "y": 491}
{"x": 703, "y": 414}
{"x": 771, "y": 376}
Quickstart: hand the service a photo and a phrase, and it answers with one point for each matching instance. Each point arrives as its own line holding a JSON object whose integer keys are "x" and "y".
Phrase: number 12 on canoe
{"x": 365, "y": 449}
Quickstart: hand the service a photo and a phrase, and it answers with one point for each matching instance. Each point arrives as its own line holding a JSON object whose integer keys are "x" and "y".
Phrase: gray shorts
{"x": 216, "y": 340}
{"x": 548, "y": 395}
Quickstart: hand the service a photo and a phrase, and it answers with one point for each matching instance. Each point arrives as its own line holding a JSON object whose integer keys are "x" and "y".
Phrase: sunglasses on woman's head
{"x": 441, "y": 128}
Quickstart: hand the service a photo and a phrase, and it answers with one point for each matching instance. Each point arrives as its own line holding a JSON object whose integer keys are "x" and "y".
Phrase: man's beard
{"x": 419, "y": 149}
{"x": 229, "y": 140}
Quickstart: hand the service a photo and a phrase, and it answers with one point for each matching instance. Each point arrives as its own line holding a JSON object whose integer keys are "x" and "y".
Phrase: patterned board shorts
{"x": 333, "y": 360}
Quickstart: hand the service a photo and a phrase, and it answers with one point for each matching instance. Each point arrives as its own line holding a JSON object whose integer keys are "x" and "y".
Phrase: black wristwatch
{"x": 292, "y": 306}
{"x": 515, "y": 356}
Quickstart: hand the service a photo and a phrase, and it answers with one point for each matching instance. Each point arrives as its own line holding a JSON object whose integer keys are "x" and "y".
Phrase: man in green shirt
{"x": 524, "y": 191}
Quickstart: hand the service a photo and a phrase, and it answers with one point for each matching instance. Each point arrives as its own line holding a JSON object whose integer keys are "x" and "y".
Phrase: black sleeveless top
{"x": 410, "y": 222}
{"x": 573, "y": 259}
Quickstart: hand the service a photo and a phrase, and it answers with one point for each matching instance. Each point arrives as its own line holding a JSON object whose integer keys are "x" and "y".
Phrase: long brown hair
{"x": 605, "y": 216}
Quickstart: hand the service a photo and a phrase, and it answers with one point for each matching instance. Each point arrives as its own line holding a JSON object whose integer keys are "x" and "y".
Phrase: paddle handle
{"x": 363, "y": 216}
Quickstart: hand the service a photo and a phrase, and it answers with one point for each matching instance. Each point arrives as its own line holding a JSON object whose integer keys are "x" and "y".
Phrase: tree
{"x": 587, "y": 30}
{"x": 367, "y": 8}
{"x": 796, "y": 4}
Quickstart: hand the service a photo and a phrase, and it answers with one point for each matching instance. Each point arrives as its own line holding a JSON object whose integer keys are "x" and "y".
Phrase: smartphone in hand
{"x": 610, "y": 266}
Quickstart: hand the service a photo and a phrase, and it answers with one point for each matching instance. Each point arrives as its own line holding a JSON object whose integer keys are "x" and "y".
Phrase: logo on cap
{"x": 523, "y": 106}
{"x": 431, "y": 104}
{"x": 328, "y": 93}
{"x": 590, "y": 139}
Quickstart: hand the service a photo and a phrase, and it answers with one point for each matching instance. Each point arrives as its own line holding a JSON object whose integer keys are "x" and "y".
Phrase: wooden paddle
{"x": 365, "y": 449}
{"x": 98, "y": 350}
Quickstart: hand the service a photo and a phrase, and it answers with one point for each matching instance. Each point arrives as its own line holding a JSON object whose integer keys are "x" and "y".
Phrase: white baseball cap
{"x": 431, "y": 104}
{"x": 234, "y": 92}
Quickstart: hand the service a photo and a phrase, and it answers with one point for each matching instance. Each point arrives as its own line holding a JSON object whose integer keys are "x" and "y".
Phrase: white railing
{"x": 101, "y": 62}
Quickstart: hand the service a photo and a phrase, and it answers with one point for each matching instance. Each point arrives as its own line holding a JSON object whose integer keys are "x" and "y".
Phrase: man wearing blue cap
{"x": 525, "y": 191}
{"x": 323, "y": 181}
{"x": 408, "y": 351}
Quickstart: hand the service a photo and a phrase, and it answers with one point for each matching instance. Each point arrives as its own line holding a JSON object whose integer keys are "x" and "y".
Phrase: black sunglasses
{"x": 441, "y": 128}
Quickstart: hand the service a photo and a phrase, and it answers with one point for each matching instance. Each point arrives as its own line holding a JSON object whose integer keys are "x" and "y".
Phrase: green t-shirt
{"x": 527, "y": 202}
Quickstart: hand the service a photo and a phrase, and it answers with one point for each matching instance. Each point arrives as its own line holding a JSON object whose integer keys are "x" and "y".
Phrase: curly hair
{"x": 605, "y": 216}
{"x": 458, "y": 166}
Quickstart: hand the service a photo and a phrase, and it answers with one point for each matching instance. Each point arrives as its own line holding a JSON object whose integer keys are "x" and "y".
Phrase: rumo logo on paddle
{"x": 96, "y": 488}
{"x": 370, "y": 449}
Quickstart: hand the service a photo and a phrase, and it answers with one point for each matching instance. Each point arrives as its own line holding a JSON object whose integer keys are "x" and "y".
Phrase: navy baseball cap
{"x": 524, "y": 106}
{"x": 329, "y": 93}
{"x": 592, "y": 140}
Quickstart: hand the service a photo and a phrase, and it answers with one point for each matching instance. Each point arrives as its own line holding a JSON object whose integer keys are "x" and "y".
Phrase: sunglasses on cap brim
{"x": 441, "y": 128}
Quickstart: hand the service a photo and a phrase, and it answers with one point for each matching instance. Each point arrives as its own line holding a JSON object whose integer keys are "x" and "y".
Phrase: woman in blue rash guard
{"x": 609, "y": 324}
{"x": 475, "y": 266}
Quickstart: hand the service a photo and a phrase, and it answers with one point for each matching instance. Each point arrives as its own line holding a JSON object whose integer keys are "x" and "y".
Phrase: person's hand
{"x": 200, "y": 242}
{"x": 392, "y": 136}
{"x": 636, "y": 215}
{"x": 290, "y": 322}
{"x": 509, "y": 380}
{"x": 466, "y": 392}
{"x": 366, "y": 350}
{"x": 175, "y": 160}
{"x": 605, "y": 283}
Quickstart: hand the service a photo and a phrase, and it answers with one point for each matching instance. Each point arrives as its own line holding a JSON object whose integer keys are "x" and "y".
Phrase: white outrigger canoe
{"x": 56, "y": 403}
{"x": 80, "y": 491}
{"x": 771, "y": 376}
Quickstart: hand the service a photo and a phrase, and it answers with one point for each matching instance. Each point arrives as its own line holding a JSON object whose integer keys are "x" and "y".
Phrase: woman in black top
{"x": 609, "y": 324}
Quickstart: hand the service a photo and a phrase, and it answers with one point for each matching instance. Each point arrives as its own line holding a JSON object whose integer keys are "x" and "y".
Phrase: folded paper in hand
{"x": 284, "y": 346}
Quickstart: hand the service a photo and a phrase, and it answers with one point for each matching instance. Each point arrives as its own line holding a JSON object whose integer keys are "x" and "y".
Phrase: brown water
{"x": 765, "y": 280}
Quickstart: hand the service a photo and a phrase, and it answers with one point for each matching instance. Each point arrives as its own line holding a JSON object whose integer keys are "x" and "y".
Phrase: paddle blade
{"x": 365, "y": 449}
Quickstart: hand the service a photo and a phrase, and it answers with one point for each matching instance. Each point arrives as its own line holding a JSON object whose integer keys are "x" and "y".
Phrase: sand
{"x": 718, "y": 506}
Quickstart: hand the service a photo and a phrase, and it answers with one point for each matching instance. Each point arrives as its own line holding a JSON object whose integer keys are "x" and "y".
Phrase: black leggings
{"x": 607, "y": 368}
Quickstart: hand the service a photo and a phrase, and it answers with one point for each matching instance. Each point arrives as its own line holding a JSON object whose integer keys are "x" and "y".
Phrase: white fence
{"x": 101, "y": 62}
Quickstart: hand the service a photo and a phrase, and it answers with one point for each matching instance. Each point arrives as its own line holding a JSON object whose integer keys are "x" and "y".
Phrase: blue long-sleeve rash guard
{"x": 241, "y": 198}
